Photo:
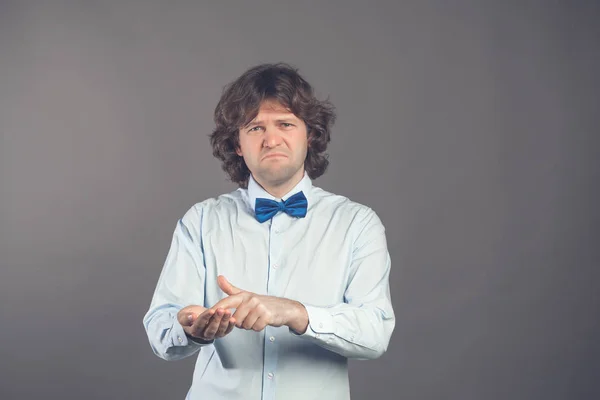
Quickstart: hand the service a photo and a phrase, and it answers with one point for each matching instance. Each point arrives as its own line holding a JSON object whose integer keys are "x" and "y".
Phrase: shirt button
{"x": 275, "y": 266}
{"x": 272, "y": 338}
{"x": 270, "y": 375}
{"x": 180, "y": 339}
{"x": 317, "y": 336}
{"x": 277, "y": 231}
{"x": 320, "y": 325}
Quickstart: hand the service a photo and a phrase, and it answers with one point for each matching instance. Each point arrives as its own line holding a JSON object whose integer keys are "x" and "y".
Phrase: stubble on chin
{"x": 277, "y": 174}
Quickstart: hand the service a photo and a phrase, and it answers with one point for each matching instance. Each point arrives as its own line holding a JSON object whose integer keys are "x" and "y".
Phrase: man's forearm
{"x": 351, "y": 331}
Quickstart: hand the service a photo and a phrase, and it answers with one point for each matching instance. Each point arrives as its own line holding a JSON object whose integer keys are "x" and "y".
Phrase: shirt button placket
{"x": 275, "y": 242}
{"x": 270, "y": 348}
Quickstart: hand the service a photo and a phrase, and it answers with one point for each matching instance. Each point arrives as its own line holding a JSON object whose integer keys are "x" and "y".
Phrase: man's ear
{"x": 309, "y": 134}
{"x": 238, "y": 151}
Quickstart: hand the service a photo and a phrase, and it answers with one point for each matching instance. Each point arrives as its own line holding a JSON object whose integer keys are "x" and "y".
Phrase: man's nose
{"x": 271, "y": 138}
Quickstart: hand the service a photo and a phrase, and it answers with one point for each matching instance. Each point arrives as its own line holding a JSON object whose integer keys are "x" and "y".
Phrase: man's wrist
{"x": 198, "y": 340}
{"x": 299, "y": 318}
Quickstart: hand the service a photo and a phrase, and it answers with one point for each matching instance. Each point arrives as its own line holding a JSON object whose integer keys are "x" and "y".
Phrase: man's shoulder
{"x": 225, "y": 200}
{"x": 224, "y": 203}
{"x": 359, "y": 218}
{"x": 339, "y": 203}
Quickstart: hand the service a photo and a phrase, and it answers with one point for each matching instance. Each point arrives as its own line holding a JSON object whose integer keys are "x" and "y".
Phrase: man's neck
{"x": 278, "y": 191}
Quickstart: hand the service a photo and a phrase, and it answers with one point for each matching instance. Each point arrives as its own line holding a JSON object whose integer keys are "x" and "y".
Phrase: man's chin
{"x": 277, "y": 176}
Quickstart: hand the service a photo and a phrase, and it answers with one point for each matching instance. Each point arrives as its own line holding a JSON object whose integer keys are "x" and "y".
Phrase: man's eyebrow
{"x": 278, "y": 120}
{"x": 252, "y": 123}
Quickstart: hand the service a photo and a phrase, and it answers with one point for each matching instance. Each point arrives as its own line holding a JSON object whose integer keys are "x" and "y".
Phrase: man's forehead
{"x": 273, "y": 106}
{"x": 270, "y": 109}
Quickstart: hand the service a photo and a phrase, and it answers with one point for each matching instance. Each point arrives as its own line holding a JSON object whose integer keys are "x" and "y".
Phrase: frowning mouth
{"x": 274, "y": 155}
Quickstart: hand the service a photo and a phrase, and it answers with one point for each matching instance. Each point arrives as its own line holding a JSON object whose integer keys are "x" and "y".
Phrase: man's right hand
{"x": 205, "y": 324}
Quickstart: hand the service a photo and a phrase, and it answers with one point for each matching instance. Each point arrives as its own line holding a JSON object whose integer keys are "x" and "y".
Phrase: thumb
{"x": 226, "y": 286}
{"x": 185, "y": 317}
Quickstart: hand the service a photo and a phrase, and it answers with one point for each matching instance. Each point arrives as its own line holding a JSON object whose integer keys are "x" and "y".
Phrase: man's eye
{"x": 286, "y": 124}
{"x": 255, "y": 129}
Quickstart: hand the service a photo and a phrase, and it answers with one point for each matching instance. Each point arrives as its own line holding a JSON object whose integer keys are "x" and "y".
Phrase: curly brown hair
{"x": 240, "y": 103}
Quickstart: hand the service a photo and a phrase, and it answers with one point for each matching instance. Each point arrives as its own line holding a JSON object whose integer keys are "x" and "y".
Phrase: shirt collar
{"x": 255, "y": 191}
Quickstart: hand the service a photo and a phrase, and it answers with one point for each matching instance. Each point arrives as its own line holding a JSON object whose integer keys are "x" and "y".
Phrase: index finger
{"x": 232, "y": 301}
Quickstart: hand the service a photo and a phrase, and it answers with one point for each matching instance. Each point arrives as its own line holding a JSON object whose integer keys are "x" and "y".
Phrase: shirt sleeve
{"x": 362, "y": 325}
{"x": 181, "y": 283}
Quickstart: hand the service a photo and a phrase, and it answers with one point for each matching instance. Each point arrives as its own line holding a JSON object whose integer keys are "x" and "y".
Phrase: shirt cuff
{"x": 180, "y": 338}
{"x": 320, "y": 322}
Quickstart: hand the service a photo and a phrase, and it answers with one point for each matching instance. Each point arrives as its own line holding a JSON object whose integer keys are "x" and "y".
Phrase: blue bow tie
{"x": 295, "y": 206}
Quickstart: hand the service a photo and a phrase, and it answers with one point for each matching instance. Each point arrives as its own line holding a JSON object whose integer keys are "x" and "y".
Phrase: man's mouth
{"x": 274, "y": 155}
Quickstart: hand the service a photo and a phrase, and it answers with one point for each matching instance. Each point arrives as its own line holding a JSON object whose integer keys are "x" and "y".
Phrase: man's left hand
{"x": 255, "y": 311}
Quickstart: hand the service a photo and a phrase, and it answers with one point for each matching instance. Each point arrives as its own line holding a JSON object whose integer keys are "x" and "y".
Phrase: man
{"x": 278, "y": 283}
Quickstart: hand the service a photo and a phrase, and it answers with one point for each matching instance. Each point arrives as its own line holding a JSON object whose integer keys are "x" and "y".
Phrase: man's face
{"x": 274, "y": 145}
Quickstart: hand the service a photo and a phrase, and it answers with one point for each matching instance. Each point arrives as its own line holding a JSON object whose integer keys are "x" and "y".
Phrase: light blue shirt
{"x": 334, "y": 261}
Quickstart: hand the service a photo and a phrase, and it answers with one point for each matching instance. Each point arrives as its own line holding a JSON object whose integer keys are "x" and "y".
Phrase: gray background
{"x": 470, "y": 127}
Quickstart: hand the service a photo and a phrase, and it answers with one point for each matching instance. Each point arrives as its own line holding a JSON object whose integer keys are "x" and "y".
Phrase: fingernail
{"x": 190, "y": 317}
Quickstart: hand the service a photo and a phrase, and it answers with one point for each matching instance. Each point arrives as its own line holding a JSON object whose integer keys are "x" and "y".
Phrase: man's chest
{"x": 302, "y": 259}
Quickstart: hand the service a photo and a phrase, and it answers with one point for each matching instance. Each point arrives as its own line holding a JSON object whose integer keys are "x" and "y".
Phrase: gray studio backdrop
{"x": 469, "y": 127}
